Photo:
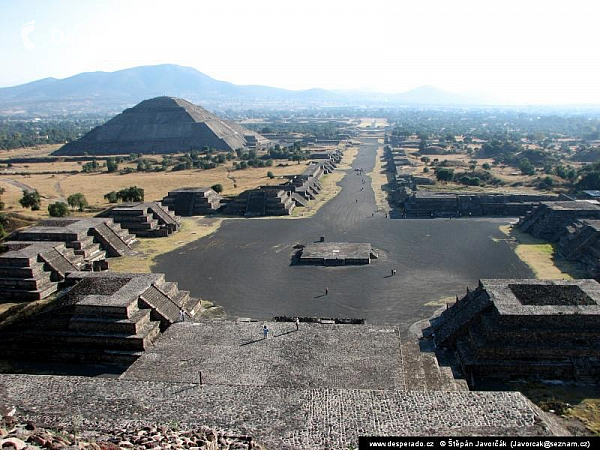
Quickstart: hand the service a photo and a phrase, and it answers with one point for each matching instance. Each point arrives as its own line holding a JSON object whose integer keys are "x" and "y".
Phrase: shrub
{"x": 30, "y": 199}
{"x": 218, "y": 188}
{"x": 58, "y": 209}
{"x": 78, "y": 201}
{"x": 270, "y": 174}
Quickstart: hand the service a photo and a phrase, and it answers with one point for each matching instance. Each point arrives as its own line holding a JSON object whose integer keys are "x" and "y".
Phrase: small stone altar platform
{"x": 337, "y": 253}
{"x": 515, "y": 328}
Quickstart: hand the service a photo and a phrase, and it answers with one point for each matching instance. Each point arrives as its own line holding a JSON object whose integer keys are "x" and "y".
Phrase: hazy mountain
{"x": 110, "y": 92}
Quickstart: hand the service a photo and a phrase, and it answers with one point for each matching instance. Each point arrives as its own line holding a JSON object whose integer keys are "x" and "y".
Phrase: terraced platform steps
{"x": 280, "y": 418}
{"x": 33, "y": 270}
{"x": 144, "y": 219}
{"x": 107, "y": 318}
{"x": 423, "y": 372}
{"x": 525, "y": 328}
{"x": 193, "y": 201}
{"x": 549, "y": 219}
{"x": 92, "y": 238}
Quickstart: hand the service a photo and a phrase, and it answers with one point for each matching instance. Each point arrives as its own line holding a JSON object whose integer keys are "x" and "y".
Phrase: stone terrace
{"x": 281, "y": 418}
{"x": 234, "y": 353}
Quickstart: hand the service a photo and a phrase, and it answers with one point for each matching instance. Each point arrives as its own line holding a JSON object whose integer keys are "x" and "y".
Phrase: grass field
{"x": 541, "y": 257}
{"x": 192, "y": 229}
{"x": 156, "y": 185}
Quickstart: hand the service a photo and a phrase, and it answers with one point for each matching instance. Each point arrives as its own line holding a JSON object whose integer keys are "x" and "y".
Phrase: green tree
{"x": 270, "y": 174}
{"x": 58, "y": 209}
{"x": 31, "y": 199}
{"x": 443, "y": 174}
{"x": 89, "y": 167}
{"x": 131, "y": 194}
{"x": 111, "y": 197}
{"x": 218, "y": 188}
{"x": 112, "y": 165}
{"x": 526, "y": 167}
{"x": 78, "y": 201}
{"x": 422, "y": 145}
{"x": 486, "y": 166}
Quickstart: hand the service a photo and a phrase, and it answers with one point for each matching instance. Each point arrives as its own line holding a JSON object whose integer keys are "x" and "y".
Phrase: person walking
{"x": 297, "y": 323}
{"x": 326, "y": 291}
{"x": 265, "y": 331}
{"x": 181, "y": 315}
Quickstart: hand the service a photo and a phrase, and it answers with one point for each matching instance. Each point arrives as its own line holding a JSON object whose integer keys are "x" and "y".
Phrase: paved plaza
{"x": 245, "y": 265}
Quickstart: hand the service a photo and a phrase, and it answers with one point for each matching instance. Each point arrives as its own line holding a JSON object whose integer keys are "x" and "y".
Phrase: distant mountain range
{"x": 111, "y": 92}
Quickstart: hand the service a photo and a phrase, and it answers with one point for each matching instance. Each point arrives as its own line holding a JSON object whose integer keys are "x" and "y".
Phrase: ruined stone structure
{"x": 450, "y": 204}
{"x": 264, "y": 201}
{"x": 506, "y": 328}
{"x": 336, "y": 253}
{"x": 550, "y": 219}
{"x": 193, "y": 201}
{"x": 282, "y": 199}
{"x": 163, "y": 125}
{"x": 580, "y": 242}
{"x": 144, "y": 219}
{"x": 33, "y": 270}
{"x": 91, "y": 238}
{"x": 332, "y": 155}
{"x": 104, "y": 318}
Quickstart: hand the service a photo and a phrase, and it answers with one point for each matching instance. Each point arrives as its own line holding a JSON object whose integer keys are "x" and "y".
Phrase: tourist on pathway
{"x": 181, "y": 315}
{"x": 297, "y": 323}
{"x": 326, "y": 291}
{"x": 265, "y": 332}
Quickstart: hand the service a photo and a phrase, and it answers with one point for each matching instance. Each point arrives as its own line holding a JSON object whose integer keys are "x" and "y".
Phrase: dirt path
{"x": 18, "y": 184}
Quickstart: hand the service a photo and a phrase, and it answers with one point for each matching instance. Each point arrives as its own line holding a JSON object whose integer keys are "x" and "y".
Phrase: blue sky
{"x": 525, "y": 51}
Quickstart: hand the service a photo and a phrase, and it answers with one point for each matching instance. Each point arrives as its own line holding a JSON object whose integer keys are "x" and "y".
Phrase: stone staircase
{"x": 145, "y": 219}
{"x": 422, "y": 371}
{"x": 166, "y": 301}
{"x": 193, "y": 201}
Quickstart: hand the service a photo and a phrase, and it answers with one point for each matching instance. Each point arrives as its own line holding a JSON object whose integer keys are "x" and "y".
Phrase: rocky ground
{"x": 24, "y": 435}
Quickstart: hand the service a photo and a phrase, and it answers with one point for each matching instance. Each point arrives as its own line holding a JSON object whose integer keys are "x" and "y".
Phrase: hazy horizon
{"x": 512, "y": 52}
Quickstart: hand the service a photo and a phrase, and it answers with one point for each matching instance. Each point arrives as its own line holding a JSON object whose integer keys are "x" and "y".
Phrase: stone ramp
{"x": 282, "y": 418}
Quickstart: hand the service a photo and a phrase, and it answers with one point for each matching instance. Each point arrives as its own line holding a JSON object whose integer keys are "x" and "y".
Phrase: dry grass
{"x": 568, "y": 401}
{"x": 55, "y": 187}
{"x": 148, "y": 249}
{"x": 379, "y": 178}
{"x": 28, "y": 152}
{"x": 541, "y": 257}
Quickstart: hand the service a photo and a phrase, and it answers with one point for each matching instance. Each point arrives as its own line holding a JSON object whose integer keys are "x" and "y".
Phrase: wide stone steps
{"x": 166, "y": 310}
{"x": 112, "y": 341}
{"x": 112, "y": 243}
{"x": 59, "y": 264}
{"x": 132, "y": 325}
{"x": 423, "y": 373}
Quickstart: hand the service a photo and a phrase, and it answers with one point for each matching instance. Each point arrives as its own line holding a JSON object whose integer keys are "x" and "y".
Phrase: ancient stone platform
{"x": 104, "y": 317}
{"x": 281, "y": 418}
{"x": 92, "y": 238}
{"x": 319, "y": 387}
{"x": 144, "y": 219}
{"x": 518, "y": 327}
{"x": 336, "y": 253}
{"x": 193, "y": 201}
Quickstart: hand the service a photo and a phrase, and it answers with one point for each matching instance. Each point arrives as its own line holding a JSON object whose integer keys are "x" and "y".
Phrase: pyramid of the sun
{"x": 163, "y": 125}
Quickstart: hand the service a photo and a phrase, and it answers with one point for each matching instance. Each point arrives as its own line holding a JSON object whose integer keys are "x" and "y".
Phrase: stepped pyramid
{"x": 163, "y": 125}
{"x": 105, "y": 317}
